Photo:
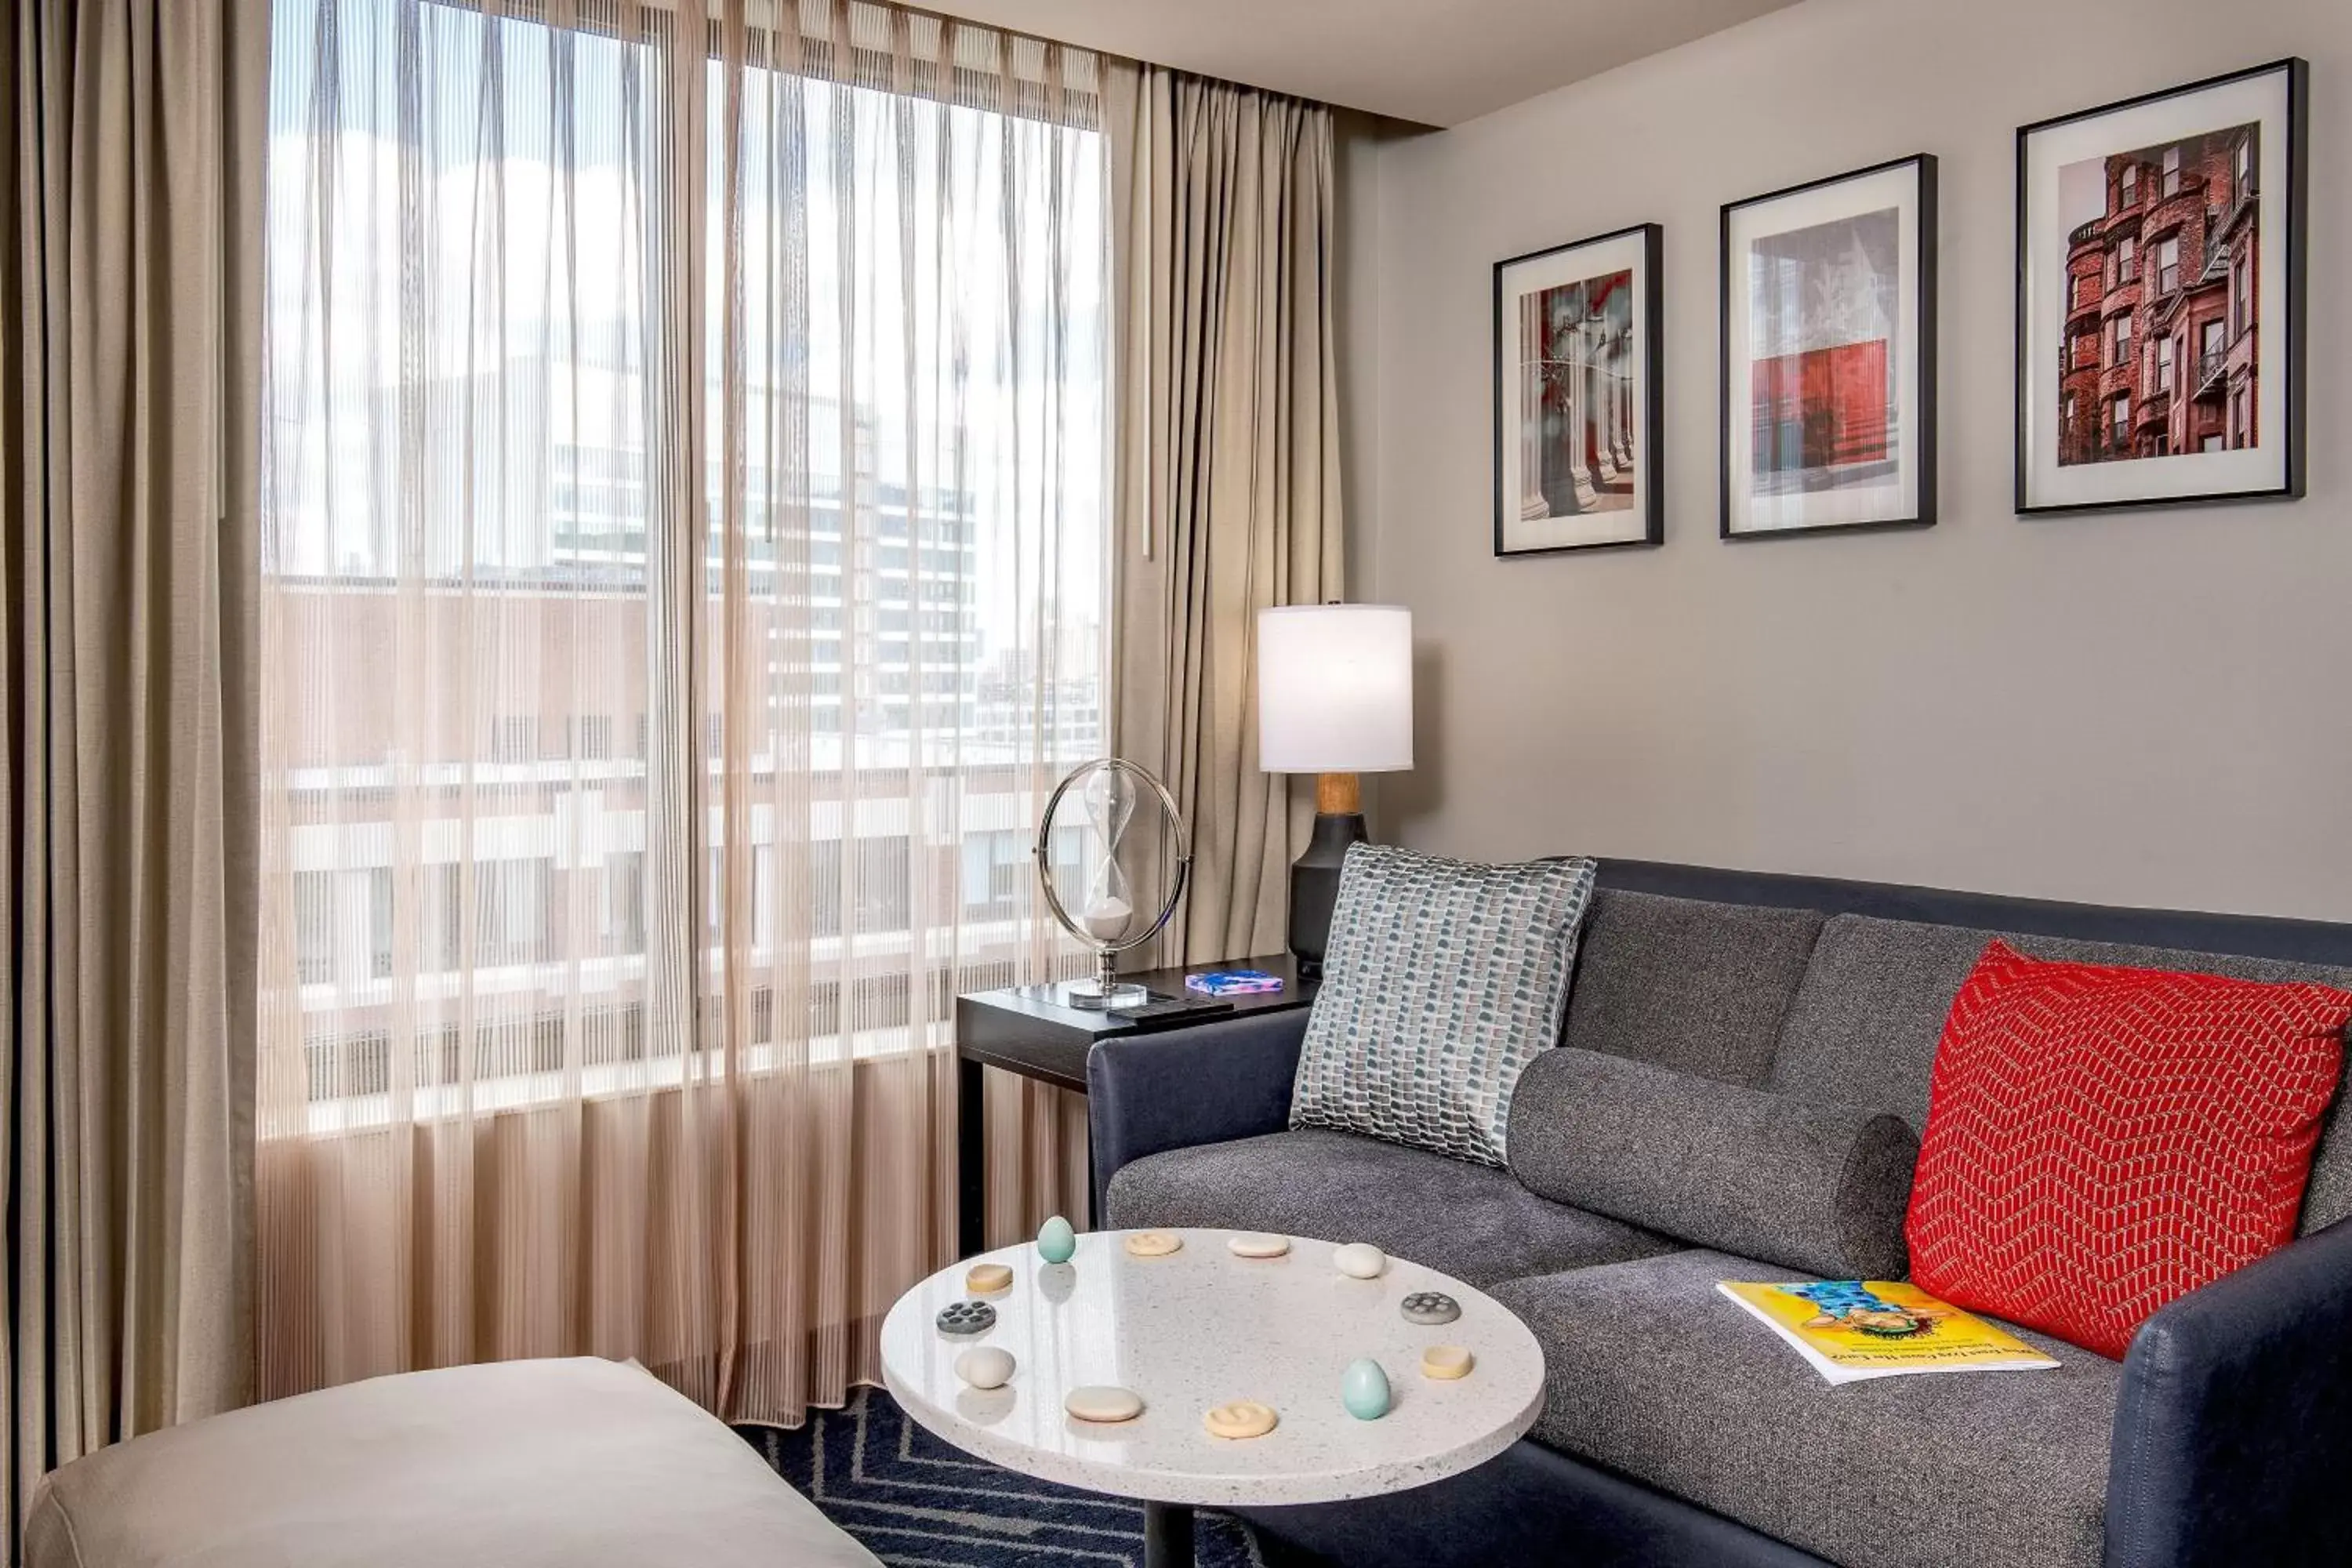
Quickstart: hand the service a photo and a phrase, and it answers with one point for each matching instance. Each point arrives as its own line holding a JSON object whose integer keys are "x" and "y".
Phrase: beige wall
{"x": 2150, "y": 707}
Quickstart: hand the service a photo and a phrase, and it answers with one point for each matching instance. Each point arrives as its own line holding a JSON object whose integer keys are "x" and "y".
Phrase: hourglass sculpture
{"x": 1106, "y": 791}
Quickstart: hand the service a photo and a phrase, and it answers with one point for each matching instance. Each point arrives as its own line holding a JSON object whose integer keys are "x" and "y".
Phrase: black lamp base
{"x": 1314, "y": 885}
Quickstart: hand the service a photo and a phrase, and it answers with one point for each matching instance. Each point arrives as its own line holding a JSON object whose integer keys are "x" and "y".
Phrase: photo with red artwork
{"x": 1826, "y": 304}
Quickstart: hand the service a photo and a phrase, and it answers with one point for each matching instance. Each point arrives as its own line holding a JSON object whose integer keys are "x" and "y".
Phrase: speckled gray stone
{"x": 966, "y": 1318}
{"x": 1429, "y": 1308}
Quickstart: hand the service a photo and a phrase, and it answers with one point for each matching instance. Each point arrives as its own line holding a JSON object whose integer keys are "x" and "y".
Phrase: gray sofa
{"x": 1676, "y": 1429}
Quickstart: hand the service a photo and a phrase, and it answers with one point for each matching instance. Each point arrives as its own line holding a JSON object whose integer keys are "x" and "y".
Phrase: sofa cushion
{"x": 1864, "y": 1024}
{"x": 1696, "y": 987}
{"x": 1442, "y": 981}
{"x": 1650, "y": 1373}
{"x": 529, "y": 1464}
{"x": 1473, "y": 1222}
{"x": 1801, "y": 1183}
{"x": 2102, "y": 1139}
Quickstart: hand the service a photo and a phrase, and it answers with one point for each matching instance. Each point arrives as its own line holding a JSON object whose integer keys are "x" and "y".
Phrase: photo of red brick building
{"x": 2162, "y": 302}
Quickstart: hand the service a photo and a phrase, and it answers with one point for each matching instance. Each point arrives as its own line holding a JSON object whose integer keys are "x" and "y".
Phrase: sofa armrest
{"x": 2233, "y": 1430}
{"x": 1206, "y": 1084}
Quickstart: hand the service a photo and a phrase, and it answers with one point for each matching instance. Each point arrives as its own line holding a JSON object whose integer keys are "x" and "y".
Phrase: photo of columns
{"x": 1576, "y": 396}
{"x": 1577, "y": 406}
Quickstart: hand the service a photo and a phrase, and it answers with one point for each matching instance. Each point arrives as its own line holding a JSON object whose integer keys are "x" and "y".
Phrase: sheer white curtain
{"x": 684, "y": 578}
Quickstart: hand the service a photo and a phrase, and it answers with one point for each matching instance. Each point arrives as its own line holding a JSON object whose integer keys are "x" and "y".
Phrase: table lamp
{"x": 1334, "y": 699}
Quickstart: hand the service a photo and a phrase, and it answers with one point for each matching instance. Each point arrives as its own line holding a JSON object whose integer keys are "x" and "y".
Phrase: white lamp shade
{"x": 1335, "y": 688}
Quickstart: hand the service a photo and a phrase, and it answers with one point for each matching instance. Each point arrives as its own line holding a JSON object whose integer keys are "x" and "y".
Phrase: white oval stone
{"x": 985, "y": 1366}
{"x": 1359, "y": 1261}
{"x": 1251, "y": 1244}
{"x": 1103, "y": 1402}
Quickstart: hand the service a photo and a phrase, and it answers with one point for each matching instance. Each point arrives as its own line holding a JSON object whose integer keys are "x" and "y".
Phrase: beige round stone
{"x": 1153, "y": 1243}
{"x": 985, "y": 1366}
{"x": 1103, "y": 1402}
{"x": 1253, "y": 1245}
{"x": 1446, "y": 1362}
{"x": 1242, "y": 1418}
{"x": 1359, "y": 1261}
{"x": 988, "y": 1278}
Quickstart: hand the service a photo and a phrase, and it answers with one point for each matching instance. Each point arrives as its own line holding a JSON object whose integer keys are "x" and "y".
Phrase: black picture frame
{"x": 1924, "y": 359}
{"x": 1649, "y": 333}
{"x": 2293, "y": 332}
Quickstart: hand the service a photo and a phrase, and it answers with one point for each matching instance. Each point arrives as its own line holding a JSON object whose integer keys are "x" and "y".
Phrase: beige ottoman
{"x": 568, "y": 1464}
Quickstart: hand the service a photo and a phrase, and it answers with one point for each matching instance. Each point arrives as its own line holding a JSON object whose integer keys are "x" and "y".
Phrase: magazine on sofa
{"x": 1854, "y": 1328}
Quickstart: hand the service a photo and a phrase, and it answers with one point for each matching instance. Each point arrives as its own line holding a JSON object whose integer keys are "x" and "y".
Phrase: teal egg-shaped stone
{"x": 1056, "y": 1241}
{"x": 1364, "y": 1389}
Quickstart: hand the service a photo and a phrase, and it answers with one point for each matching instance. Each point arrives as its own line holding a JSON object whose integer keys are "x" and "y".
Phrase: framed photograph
{"x": 1578, "y": 405}
{"x": 2160, "y": 297}
{"x": 1828, "y": 354}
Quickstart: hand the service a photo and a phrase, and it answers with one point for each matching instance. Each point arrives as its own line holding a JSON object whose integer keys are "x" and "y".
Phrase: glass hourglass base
{"x": 1092, "y": 995}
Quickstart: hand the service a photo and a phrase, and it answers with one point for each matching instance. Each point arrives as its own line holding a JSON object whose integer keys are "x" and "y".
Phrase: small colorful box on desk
{"x": 1233, "y": 982}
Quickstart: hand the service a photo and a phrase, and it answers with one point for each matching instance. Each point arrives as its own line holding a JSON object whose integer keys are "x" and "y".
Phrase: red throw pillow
{"x": 2102, "y": 1139}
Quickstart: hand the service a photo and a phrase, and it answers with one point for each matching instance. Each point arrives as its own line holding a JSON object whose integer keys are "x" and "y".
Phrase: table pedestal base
{"x": 1167, "y": 1535}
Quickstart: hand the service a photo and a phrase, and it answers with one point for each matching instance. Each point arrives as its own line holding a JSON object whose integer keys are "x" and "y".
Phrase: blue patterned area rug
{"x": 917, "y": 1502}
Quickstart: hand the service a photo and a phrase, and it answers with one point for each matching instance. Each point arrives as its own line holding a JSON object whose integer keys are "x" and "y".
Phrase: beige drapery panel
{"x": 684, "y": 581}
{"x": 1224, "y": 209}
{"x": 129, "y": 330}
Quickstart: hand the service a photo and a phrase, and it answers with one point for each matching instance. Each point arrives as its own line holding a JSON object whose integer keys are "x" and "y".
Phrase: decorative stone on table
{"x": 1251, "y": 1244}
{"x": 966, "y": 1318}
{"x": 988, "y": 1278}
{"x": 1056, "y": 1242}
{"x": 1240, "y": 1419}
{"x": 985, "y": 1366}
{"x": 1153, "y": 1243}
{"x": 1103, "y": 1402}
{"x": 1359, "y": 1261}
{"x": 1446, "y": 1363}
{"x": 1364, "y": 1389}
{"x": 1429, "y": 1308}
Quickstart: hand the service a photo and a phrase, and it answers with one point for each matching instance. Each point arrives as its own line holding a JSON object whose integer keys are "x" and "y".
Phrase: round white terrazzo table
{"x": 1199, "y": 1328}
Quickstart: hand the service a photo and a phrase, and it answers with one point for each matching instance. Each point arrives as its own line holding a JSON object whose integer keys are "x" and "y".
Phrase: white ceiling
{"x": 1433, "y": 62}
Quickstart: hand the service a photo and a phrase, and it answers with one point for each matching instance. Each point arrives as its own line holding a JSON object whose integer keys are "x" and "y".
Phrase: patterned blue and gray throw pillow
{"x": 1442, "y": 979}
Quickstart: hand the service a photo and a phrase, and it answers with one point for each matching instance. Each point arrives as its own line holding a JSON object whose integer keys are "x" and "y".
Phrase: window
{"x": 2242, "y": 293}
{"x": 2172, "y": 171}
{"x": 511, "y": 911}
{"x": 2130, "y": 185}
{"x": 2244, "y": 169}
{"x": 2067, "y": 414}
{"x": 2164, "y": 363}
{"x": 514, "y": 737}
{"x": 379, "y": 926}
{"x": 2213, "y": 443}
{"x": 2122, "y": 419}
{"x": 314, "y": 926}
{"x": 2126, "y": 259}
{"x": 624, "y": 901}
{"x": 2216, "y": 340}
{"x": 499, "y": 476}
{"x": 2167, "y": 265}
{"x": 2123, "y": 329}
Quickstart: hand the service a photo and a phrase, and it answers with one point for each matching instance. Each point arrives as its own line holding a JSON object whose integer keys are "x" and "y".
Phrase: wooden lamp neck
{"x": 1337, "y": 795}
